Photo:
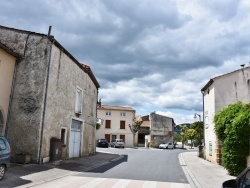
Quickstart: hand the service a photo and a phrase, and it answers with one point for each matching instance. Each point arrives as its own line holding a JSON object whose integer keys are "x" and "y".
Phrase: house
{"x": 161, "y": 129}
{"x": 219, "y": 92}
{"x": 45, "y": 94}
{"x": 116, "y": 121}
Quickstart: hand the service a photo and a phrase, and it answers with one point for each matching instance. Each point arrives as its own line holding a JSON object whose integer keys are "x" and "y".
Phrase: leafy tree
{"x": 232, "y": 127}
{"x": 190, "y": 135}
{"x": 134, "y": 129}
{"x": 177, "y": 137}
{"x": 198, "y": 126}
{"x": 184, "y": 129}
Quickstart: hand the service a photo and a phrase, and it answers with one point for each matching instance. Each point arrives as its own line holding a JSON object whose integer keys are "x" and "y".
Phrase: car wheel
{"x": 2, "y": 171}
{"x": 167, "y": 147}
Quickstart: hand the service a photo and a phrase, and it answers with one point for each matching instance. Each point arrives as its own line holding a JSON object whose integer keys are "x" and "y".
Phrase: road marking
{"x": 77, "y": 181}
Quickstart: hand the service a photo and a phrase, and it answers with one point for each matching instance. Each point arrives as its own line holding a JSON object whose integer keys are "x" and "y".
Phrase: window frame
{"x": 122, "y": 124}
{"x": 108, "y": 113}
{"x": 107, "y": 120}
{"x": 79, "y": 100}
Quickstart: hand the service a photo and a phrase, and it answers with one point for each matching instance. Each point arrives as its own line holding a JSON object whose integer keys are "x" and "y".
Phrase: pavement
{"x": 202, "y": 173}
{"x": 68, "y": 173}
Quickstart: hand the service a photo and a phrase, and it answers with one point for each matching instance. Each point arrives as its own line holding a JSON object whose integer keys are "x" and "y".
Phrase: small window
{"x": 108, "y": 113}
{"x": 107, "y": 124}
{"x": 122, "y": 124}
{"x": 123, "y": 114}
{"x": 79, "y": 100}
{"x": 63, "y": 135}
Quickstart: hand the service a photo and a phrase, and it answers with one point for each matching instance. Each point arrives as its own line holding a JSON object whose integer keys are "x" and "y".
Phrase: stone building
{"x": 161, "y": 129}
{"x": 51, "y": 95}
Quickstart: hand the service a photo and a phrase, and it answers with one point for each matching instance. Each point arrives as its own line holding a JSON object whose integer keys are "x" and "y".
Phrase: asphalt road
{"x": 143, "y": 164}
{"x": 136, "y": 164}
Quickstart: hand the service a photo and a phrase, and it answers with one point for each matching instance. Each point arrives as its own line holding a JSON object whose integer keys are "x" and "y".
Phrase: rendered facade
{"x": 53, "y": 96}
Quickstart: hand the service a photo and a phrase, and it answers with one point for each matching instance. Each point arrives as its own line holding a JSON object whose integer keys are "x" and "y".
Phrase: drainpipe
{"x": 204, "y": 147}
{"x": 44, "y": 104}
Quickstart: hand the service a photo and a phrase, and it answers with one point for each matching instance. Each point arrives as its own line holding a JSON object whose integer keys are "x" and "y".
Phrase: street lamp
{"x": 195, "y": 116}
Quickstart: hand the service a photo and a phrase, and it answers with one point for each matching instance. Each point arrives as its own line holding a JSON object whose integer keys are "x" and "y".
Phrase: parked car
{"x": 167, "y": 145}
{"x": 102, "y": 143}
{"x": 242, "y": 180}
{"x": 117, "y": 143}
{"x": 5, "y": 154}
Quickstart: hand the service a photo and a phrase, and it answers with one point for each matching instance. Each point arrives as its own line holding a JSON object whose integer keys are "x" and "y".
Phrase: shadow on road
{"x": 108, "y": 166}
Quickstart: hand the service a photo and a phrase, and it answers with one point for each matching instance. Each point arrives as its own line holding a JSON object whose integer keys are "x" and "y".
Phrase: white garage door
{"x": 75, "y": 139}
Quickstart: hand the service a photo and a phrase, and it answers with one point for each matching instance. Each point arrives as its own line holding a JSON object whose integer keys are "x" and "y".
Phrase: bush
{"x": 232, "y": 127}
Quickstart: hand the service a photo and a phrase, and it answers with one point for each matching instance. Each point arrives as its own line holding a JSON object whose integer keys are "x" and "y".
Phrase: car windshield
{"x": 119, "y": 140}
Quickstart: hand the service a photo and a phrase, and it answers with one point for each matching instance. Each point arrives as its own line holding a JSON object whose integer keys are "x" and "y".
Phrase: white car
{"x": 117, "y": 143}
{"x": 167, "y": 145}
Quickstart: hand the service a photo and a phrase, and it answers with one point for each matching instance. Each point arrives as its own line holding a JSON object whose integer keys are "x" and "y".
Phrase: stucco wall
{"x": 25, "y": 120}
{"x": 115, "y": 126}
{"x": 65, "y": 77}
{"x": 225, "y": 90}
{"x": 209, "y": 111}
{"x": 7, "y": 66}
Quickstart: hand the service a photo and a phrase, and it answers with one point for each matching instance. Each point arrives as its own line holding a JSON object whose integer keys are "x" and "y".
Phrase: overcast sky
{"x": 152, "y": 55}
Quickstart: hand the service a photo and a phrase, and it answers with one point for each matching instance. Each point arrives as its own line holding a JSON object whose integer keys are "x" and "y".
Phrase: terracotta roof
{"x": 145, "y": 124}
{"x": 91, "y": 75}
{"x": 223, "y": 75}
{"x": 107, "y": 107}
{"x": 138, "y": 118}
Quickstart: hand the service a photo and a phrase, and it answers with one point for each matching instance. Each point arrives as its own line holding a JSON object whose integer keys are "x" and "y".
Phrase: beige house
{"x": 217, "y": 94}
{"x": 116, "y": 121}
{"x": 8, "y": 61}
{"x": 48, "y": 96}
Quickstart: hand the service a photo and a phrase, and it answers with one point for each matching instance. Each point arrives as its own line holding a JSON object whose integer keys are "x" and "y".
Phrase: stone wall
{"x": 26, "y": 109}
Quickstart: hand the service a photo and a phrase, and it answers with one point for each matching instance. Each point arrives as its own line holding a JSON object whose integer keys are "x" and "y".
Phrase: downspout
{"x": 44, "y": 104}
{"x": 204, "y": 147}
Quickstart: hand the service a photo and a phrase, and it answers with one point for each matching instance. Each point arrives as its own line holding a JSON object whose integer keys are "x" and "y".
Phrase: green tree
{"x": 232, "y": 127}
{"x": 177, "y": 137}
{"x": 184, "y": 129}
{"x": 190, "y": 135}
{"x": 198, "y": 126}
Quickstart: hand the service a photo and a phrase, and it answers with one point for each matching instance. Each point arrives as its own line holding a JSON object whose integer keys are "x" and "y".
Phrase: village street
{"x": 125, "y": 167}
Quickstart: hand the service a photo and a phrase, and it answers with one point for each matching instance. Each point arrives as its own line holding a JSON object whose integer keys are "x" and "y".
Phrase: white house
{"x": 116, "y": 121}
{"x": 218, "y": 93}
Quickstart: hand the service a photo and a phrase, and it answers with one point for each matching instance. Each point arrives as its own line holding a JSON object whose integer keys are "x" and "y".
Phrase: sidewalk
{"x": 202, "y": 173}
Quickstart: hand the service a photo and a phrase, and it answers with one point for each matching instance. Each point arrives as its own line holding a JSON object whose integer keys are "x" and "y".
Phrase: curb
{"x": 194, "y": 183}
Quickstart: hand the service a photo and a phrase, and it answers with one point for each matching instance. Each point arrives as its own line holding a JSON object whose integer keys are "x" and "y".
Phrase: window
{"x": 108, "y": 113}
{"x": 122, "y": 124}
{"x": 123, "y": 114}
{"x": 122, "y": 136}
{"x": 107, "y": 124}
{"x": 79, "y": 100}
{"x": 63, "y": 135}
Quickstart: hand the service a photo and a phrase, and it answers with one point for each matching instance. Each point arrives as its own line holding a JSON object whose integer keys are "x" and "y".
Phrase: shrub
{"x": 232, "y": 127}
